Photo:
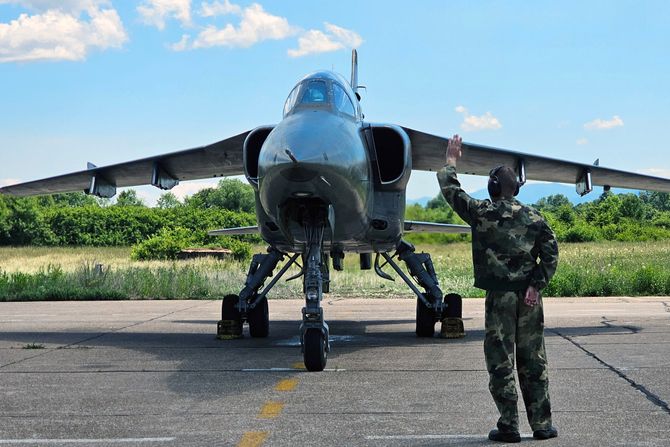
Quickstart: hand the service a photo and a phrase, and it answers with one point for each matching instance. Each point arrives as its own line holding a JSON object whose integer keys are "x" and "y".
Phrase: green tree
{"x": 658, "y": 200}
{"x": 129, "y": 198}
{"x": 168, "y": 200}
{"x": 230, "y": 194}
{"x": 70, "y": 199}
{"x": 553, "y": 202}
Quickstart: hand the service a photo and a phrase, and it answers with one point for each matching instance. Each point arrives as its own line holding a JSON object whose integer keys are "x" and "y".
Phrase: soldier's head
{"x": 503, "y": 183}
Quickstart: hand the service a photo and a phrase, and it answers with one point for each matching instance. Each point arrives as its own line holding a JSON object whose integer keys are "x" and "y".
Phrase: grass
{"x": 39, "y": 273}
{"x": 33, "y": 346}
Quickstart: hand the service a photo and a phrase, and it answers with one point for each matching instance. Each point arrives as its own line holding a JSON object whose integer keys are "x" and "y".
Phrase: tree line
{"x": 611, "y": 217}
{"x": 76, "y": 219}
{"x": 79, "y": 220}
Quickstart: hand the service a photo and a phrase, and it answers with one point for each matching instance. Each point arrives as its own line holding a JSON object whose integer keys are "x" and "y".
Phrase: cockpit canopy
{"x": 323, "y": 90}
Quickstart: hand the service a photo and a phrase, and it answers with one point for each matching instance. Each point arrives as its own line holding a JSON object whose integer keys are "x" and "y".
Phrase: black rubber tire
{"x": 228, "y": 309}
{"x": 454, "y": 303}
{"x": 315, "y": 355}
{"x": 259, "y": 320}
{"x": 425, "y": 320}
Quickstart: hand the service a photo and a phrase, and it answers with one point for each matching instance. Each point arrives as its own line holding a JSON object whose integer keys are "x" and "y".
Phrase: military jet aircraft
{"x": 328, "y": 182}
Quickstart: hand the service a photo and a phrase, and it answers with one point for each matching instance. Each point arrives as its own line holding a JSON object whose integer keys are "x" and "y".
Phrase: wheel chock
{"x": 229, "y": 329}
{"x": 452, "y": 327}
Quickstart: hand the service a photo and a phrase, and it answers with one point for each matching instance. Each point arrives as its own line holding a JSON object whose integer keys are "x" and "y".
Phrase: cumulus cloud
{"x": 599, "y": 124}
{"x": 65, "y": 30}
{"x": 484, "y": 122}
{"x": 582, "y": 141}
{"x": 217, "y": 8}
{"x": 156, "y": 12}
{"x": 255, "y": 26}
{"x": 182, "y": 44}
{"x": 335, "y": 38}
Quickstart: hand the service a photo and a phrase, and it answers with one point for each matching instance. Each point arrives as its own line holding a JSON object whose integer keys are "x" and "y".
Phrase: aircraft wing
{"x": 429, "y": 151}
{"x": 235, "y": 230}
{"x": 222, "y": 158}
{"x": 412, "y": 226}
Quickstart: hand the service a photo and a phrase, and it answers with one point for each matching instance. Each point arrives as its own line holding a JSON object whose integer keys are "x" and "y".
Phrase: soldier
{"x": 515, "y": 254}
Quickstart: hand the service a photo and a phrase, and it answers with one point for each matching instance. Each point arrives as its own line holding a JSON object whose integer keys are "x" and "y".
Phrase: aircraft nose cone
{"x": 296, "y": 173}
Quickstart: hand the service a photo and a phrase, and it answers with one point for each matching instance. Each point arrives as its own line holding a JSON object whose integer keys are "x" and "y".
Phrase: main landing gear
{"x": 431, "y": 306}
{"x": 251, "y": 305}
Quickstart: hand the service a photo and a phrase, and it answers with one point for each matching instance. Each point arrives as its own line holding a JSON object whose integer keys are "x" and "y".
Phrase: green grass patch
{"x": 585, "y": 269}
{"x": 33, "y": 346}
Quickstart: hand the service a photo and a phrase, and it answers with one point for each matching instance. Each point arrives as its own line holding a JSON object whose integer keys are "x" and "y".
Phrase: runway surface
{"x": 152, "y": 373}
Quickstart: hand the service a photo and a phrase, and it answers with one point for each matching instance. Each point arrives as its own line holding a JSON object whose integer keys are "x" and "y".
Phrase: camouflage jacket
{"x": 512, "y": 245}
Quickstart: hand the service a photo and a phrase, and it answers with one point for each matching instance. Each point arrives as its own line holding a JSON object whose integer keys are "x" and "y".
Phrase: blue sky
{"x": 110, "y": 81}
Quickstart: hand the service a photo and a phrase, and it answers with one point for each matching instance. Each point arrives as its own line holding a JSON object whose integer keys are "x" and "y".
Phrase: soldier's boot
{"x": 546, "y": 433}
{"x": 504, "y": 436}
{"x": 452, "y": 327}
{"x": 229, "y": 329}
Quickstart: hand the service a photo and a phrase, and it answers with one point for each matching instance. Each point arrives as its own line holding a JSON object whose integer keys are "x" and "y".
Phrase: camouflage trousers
{"x": 510, "y": 322}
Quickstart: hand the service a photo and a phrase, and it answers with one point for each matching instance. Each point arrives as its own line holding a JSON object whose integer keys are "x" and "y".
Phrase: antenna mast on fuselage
{"x": 354, "y": 70}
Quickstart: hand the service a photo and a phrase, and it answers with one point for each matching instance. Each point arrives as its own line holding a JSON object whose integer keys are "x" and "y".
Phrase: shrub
{"x": 164, "y": 245}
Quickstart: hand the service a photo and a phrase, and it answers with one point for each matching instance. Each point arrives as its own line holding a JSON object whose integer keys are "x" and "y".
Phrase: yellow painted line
{"x": 253, "y": 439}
{"x": 286, "y": 385}
{"x": 298, "y": 365}
{"x": 271, "y": 410}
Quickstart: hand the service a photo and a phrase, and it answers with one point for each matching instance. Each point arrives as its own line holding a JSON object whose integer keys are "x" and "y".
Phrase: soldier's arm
{"x": 464, "y": 205}
{"x": 548, "y": 254}
{"x": 460, "y": 201}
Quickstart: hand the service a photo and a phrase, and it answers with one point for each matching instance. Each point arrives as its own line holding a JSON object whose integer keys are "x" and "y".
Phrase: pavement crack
{"x": 653, "y": 398}
{"x": 608, "y": 323}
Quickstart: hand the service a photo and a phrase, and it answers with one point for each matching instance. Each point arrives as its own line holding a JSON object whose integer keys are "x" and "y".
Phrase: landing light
{"x": 302, "y": 194}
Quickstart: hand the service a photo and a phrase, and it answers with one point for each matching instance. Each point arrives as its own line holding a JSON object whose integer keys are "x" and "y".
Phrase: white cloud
{"x": 484, "y": 122}
{"x": 217, "y": 8}
{"x": 582, "y": 141}
{"x": 656, "y": 172}
{"x": 182, "y": 44}
{"x": 256, "y": 25}
{"x": 9, "y": 181}
{"x": 599, "y": 124}
{"x": 315, "y": 41}
{"x": 69, "y": 6}
{"x": 156, "y": 12}
{"x": 60, "y": 33}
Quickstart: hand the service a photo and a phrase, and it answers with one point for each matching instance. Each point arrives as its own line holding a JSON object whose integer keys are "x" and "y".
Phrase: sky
{"x": 106, "y": 81}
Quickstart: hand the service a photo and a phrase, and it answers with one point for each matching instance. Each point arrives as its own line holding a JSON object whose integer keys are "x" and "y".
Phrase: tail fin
{"x": 354, "y": 69}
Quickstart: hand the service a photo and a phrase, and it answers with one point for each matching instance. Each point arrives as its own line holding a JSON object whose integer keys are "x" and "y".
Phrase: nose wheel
{"x": 315, "y": 349}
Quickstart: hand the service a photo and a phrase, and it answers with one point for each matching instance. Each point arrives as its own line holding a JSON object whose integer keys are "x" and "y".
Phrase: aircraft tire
{"x": 315, "y": 355}
{"x": 228, "y": 309}
{"x": 259, "y": 320}
{"x": 425, "y": 320}
{"x": 454, "y": 304}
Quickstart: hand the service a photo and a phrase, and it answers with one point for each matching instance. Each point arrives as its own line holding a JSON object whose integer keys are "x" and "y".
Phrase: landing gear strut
{"x": 430, "y": 306}
{"x": 251, "y": 305}
{"x": 314, "y": 330}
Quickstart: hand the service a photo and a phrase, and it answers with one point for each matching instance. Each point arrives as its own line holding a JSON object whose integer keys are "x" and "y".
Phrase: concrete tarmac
{"x": 152, "y": 373}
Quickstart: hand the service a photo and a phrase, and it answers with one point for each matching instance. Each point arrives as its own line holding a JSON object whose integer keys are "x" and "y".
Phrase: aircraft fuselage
{"x": 319, "y": 156}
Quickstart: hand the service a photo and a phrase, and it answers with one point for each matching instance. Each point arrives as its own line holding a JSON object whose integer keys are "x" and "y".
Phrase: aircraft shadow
{"x": 195, "y": 360}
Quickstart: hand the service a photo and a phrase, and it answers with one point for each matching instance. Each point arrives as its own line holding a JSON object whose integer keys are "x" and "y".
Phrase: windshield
{"x": 315, "y": 92}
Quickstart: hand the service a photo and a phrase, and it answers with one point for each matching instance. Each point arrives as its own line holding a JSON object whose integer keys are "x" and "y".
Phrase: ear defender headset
{"x": 494, "y": 186}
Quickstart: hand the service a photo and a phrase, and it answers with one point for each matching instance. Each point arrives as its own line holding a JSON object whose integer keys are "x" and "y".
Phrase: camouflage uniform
{"x": 508, "y": 238}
